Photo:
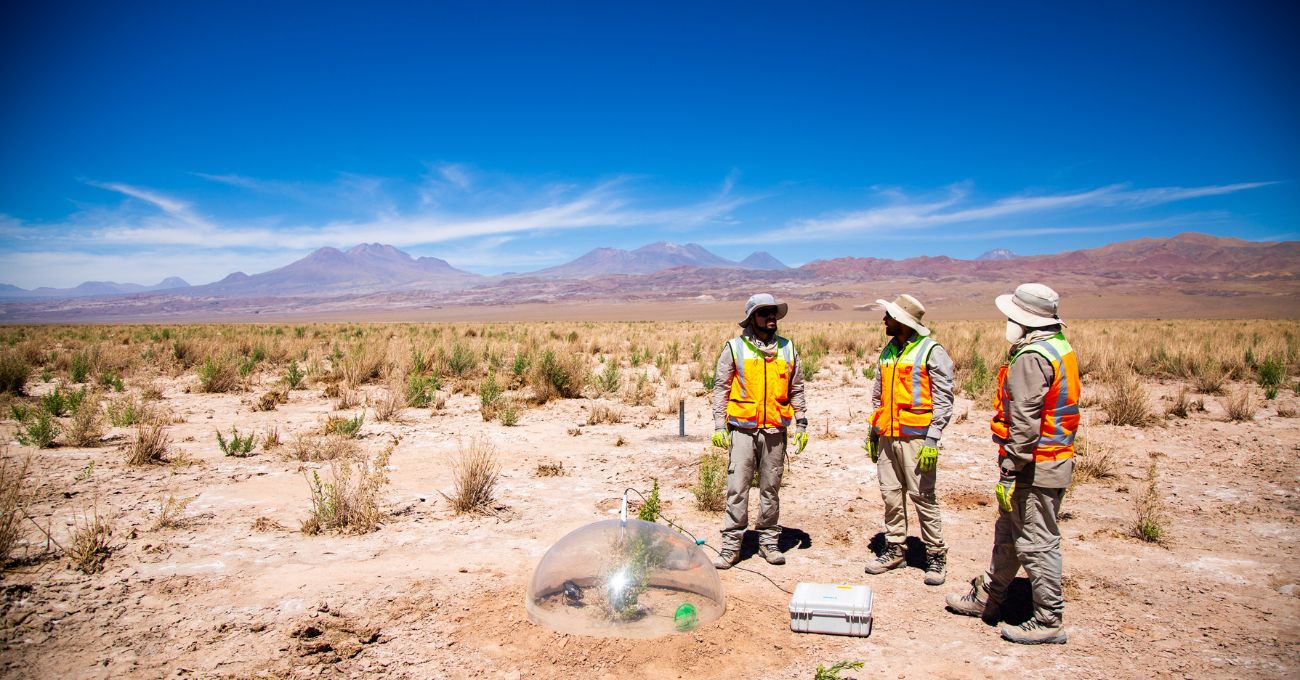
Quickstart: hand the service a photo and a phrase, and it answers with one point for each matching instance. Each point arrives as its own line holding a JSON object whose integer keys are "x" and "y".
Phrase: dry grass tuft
{"x": 349, "y": 504}
{"x": 347, "y": 399}
{"x": 475, "y": 470}
{"x": 218, "y": 375}
{"x": 87, "y": 424}
{"x": 558, "y": 375}
{"x": 150, "y": 444}
{"x": 269, "y": 400}
{"x": 1125, "y": 402}
{"x": 170, "y": 510}
{"x": 388, "y": 408}
{"x": 1240, "y": 405}
{"x": 1208, "y": 377}
{"x": 550, "y": 469}
{"x": 266, "y": 524}
{"x": 90, "y": 546}
{"x": 310, "y": 447}
{"x": 15, "y": 494}
{"x": 604, "y": 413}
{"x": 1092, "y": 461}
{"x": 1183, "y": 405}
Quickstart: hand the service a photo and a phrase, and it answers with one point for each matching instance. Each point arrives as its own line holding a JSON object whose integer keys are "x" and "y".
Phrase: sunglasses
{"x": 766, "y": 312}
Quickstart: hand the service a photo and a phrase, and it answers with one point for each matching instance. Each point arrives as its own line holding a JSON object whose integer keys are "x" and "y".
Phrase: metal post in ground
{"x": 681, "y": 417}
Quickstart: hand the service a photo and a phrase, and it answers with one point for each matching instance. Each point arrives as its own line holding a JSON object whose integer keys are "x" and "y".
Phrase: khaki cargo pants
{"x": 751, "y": 449}
{"x": 1029, "y": 537}
{"x": 900, "y": 480}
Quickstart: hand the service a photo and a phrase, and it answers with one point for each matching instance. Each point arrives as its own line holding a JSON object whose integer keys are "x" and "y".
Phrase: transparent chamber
{"x": 634, "y": 579}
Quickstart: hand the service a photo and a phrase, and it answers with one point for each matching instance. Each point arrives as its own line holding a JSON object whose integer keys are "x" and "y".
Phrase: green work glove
{"x": 799, "y": 439}
{"x": 872, "y": 446}
{"x": 1005, "y": 487}
{"x": 721, "y": 439}
{"x": 928, "y": 459}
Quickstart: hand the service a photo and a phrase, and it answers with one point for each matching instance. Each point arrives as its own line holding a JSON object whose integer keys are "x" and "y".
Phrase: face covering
{"x": 1014, "y": 331}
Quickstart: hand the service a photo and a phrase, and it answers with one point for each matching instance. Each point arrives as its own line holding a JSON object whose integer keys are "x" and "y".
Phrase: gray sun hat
{"x": 1033, "y": 305}
{"x": 763, "y": 300}
{"x": 906, "y": 310}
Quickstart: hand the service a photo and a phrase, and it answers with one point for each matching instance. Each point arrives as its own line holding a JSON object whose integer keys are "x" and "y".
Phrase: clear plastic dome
{"x": 639, "y": 580}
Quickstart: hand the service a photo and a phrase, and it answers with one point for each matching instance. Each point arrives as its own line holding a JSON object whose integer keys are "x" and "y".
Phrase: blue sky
{"x": 141, "y": 140}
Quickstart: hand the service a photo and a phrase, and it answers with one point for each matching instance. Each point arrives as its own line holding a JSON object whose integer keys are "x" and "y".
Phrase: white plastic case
{"x": 832, "y": 609}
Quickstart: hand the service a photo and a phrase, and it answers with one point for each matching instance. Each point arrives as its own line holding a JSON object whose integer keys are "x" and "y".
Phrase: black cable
{"x": 699, "y": 542}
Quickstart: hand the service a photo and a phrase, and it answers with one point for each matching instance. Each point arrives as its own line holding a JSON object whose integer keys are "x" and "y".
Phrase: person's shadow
{"x": 789, "y": 539}
{"x": 1018, "y": 606}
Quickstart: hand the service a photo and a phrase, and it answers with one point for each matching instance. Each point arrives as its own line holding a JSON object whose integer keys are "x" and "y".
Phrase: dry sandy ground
{"x": 433, "y": 595}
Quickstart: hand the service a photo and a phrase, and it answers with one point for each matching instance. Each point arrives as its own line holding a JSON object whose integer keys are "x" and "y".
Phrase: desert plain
{"x": 139, "y": 548}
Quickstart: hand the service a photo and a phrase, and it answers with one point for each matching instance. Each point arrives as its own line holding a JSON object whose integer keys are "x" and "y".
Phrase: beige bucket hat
{"x": 764, "y": 300}
{"x": 906, "y": 310}
{"x": 1033, "y": 305}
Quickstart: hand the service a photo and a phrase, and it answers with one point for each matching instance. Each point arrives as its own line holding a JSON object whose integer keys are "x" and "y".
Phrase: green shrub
{"x": 508, "y": 415}
{"x": 557, "y": 376}
{"x": 869, "y": 371}
{"x": 810, "y": 363}
{"x": 978, "y": 378}
{"x": 489, "y": 392}
{"x": 38, "y": 431}
{"x": 461, "y": 361}
{"x": 650, "y": 508}
{"x": 55, "y": 402}
{"x": 1271, "y": 371}
{"x": 708, "y": 378}
{"x": 833, "y": 673}
{"x": 521, "y": 363}
{"x": 608, "y": 380}
{"x": 110, "y": 380}
{"x": 420, "y": 389}
{"x": 236, "y": 446}
{"x": 79, "y": 369}
{"x": 294, "y": 376}
{"x": 710, "y": 490}
{"x": 348, "y": 427}
{"x": 124, "y": 412}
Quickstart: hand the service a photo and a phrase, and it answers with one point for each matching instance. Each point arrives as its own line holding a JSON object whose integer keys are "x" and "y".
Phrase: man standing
{"x": 1037, "y": 414}
{"x": 912, "y": 397}
{"x": 757, "y": 396}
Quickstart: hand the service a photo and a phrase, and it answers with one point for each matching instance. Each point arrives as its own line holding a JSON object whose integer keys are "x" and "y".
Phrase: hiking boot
{"x": 726, "y": 558}
{"x": 892, "y": 557}
{"x": 974, "y": 603}
{"x": 1035, "y": 632}
{"x": 936, "y": 569}
{"x": 771, "y": 553}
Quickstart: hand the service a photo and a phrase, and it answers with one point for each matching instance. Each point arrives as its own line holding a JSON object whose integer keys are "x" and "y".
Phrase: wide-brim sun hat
{"x": 906, "y": 310}
{"x": 1032, "y": 305}
{"x": 763, "y": 300}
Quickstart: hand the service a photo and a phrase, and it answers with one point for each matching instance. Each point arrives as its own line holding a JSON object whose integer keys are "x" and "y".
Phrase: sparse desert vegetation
{"x": 532, "y": 430}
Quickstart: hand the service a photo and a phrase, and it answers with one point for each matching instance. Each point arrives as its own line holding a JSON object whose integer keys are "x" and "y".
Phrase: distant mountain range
{"x": 653, "y": 258}
{"x": 374, "y": 274}
{"x": 90, "y": 289}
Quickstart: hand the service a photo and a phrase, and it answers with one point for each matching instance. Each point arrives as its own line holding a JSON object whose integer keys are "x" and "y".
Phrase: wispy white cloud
{"x": 957, "y": 207}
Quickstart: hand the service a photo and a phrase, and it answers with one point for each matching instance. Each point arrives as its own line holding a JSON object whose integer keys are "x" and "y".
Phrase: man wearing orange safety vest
{"x": 912, "y": 397}
{"x": 1035, "y": 419}
{"x": 757, "y": 399}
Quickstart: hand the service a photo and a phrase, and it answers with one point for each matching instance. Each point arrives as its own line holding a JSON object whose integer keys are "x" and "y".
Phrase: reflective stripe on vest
{"x": 906, "y": 396}
{"x": 760, "y": 388}
{"x": 1060, "y": 416}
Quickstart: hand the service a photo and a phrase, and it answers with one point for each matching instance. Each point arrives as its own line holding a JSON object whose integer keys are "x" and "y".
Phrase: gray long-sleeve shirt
{"x": 1028, "y": 380}
{"x": 725, "y": 370}
{"x": 940, "y": 367}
